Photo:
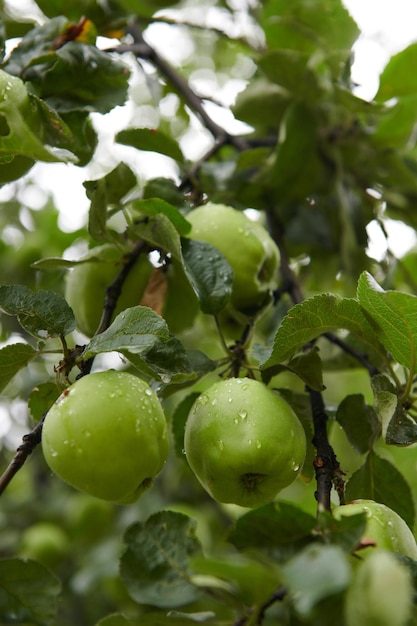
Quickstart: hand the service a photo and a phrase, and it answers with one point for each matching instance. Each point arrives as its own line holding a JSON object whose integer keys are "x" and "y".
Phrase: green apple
{"x": 384, "y": 527}
{"x": 243, "y": 442}
{"x": 381, "y": 593}
{"x": 45, "y": 542}
{"x": 107, "y": 435}
{"x": 246, "y": 244}
{"x": 87, "y": 282}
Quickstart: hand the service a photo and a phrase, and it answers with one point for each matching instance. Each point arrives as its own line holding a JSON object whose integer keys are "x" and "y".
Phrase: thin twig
{"x": 29, "y": 443}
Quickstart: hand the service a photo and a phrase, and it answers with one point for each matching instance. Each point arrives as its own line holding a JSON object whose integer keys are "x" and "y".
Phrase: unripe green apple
{"x": 246, "y": 244}
{"x": 86, "y": 284}
{"x": 383, "y": 526}
{"x": 106, "y": 435}
{"x": 45, "y": 542}
{"x": 381, "y": 593}
{"x": 243, "y": 442}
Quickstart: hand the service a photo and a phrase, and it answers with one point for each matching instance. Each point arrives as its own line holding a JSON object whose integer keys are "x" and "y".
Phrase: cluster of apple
{"x": 107, "y": 433}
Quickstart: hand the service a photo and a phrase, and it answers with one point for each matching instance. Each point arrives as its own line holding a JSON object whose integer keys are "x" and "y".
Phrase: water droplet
{"x": 249, "y": 441}
{"x": 243, "y": 414}
{"x": 183, "y": 451}
{"x": 54, "y": 454}
{"x": 258, "y": 444}
{"x": 236, "y": 421}
{"x": 86, "y": 433}
{"x": 296, "y": 468}
{"x": 245, "y": 387}
{"x": 230, "y": 399}
{"x": 203, "y": 398}
{"x": 214, "y": 402}
{"x": 148, "y": 392}
{"x": 220, "y": 444}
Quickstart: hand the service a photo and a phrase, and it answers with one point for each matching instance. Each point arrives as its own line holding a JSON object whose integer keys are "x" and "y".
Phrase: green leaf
{"x": 104, "y": 193}
{"x": 249, "y": 579}
{"x": 398, "y": 78}
{"x": 79, "y": 77}
{"x": 309, "y": 26}
{"x": 394, "y": 317}
{"x": 165, "y": 189}
{"x": 313, "y": 317}
{"x": 209, "y": 273}
{"x": 291, "y": 70}
{"x": 316, "y": 573}
{"x": 398, "y": 428}
{"x": 381, "y": 481}
{"x": 151, "y": 140}
{"x": 24, "y": 122}
{"x": 28, "y": 593}
{"x": 290, "y": 177}
{"x": 166, "y": 361}
{"x": 178, "y": 421}
{"x": 200, "y": 617}
{"x": 12, "y": 359}
{"x": 41, "y": 399}
{"x": 159, "y": 232}
{"x": 43, "y": 314}
{"x": 136, "y": 329}
{"x": 309, "y": 368}
{"x": 345, "y": 532}
{"x": 278, "y": 529}
{"x": 155, "y": 565}
{"x": 359, "y": 421}
{"x": 157, "y": 206}
{"x": 142, "y": 336}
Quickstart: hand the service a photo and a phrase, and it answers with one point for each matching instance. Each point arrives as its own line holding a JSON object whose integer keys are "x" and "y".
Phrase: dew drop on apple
{"x": 214, "y": 402}
{"x": 258, "y": 444}
{"x": 221, "y": 445}
{"x": 148, "y": 392}
{"x": 243, "y": 414}
{"x": 203, "y": 399}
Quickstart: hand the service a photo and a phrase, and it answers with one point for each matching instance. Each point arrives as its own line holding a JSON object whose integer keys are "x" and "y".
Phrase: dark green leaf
{"x": 28, "y": 593}
{"x": 151, "y": 140}
{"x": 209, "y": 273}
{"x": 315, "y": 316}
{"x": 165, "y": 189}
{"x": 41, "y": 399}
{"x": 291, "y": 70}
{"x": 379, "y": 480}
{"x": 317, "y": 572}
{"x": 359, "y": 422}
{"x": 345, "y": 532}
{"x": 394, "y": 317}
{"x": 79, "y": 77}
{"x": 165, "y": 360}
{"x": 291, "y": 177}
{"x": 278, "y": 529}
{"x": 12, "y": 359}
{"x": 43, "y": 314}
{"x": 200, "y": 617}
{"x": 159, "y": 231}
{"x": 157, "y": 206}
{"x": 155, "y": 565}
{"x": 309, "y": 368}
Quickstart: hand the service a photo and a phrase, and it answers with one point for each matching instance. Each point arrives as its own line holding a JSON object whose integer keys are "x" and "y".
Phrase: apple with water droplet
{"x": 243, "y": 442}
{"x": 246, "y": 244}
{"x": 107, "y": 435}
{"x": 384, "y": 527}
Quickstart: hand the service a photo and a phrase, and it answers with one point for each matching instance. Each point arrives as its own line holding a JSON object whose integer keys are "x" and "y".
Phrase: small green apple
{"x": 45, "y": 542}
{"x": 243, "y": 442}
{"x": 384, "y": 527}
{"x": 107, "y": 435}
{"x": 381, "y": 593}
{"x": 86, "y": 284}
{"x": 246, "y": 244}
